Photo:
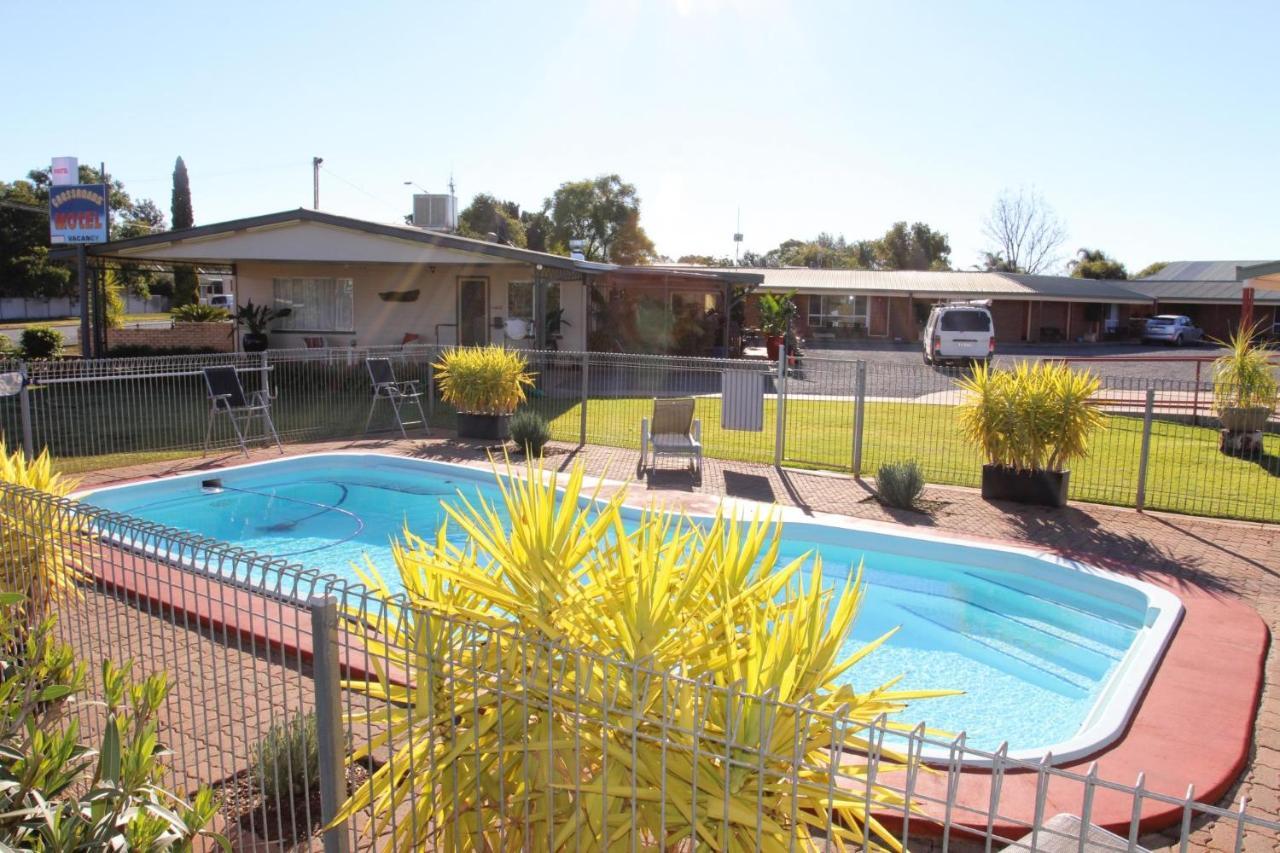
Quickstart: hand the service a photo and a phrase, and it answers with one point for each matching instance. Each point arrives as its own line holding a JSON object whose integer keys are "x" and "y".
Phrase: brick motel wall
{"x": 219, "y": 337}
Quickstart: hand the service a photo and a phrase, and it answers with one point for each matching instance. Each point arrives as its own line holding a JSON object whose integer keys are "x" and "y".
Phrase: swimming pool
{"x": 1051, "y": 654}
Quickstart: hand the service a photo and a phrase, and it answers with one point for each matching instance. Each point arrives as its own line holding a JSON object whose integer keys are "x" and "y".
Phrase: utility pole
{"x": 315, "y": 182}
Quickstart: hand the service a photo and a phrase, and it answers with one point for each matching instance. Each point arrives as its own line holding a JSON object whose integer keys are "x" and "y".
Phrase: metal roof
{"x": 1199, "y": 291}
{"x": 946, "y": 285}
{"x": 1214, "y": 271}
{"x": 130, "y": 248}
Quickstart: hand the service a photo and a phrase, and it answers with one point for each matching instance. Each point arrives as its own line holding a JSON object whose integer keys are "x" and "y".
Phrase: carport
{"x": 1256, "y": 277}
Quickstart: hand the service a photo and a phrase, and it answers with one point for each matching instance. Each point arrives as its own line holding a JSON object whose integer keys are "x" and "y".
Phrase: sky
{"x": 1151, "y": 128}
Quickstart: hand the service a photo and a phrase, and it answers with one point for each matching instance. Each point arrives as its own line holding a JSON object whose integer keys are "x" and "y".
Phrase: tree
{"x": 995, "y": 262}
{"x": 180, "y": 206}
{"x": 914, "y": 247}
{"x": 1025, "y": 231}
{"x": 1151, "y": 269}
{"x": 186, "y": 286}
{"x": 25, "y": 267}
{"x": 1094, "y": 263}
{"x": 605, "y": 214}
{"x": 487, "y": 215}
{"x": 537, "y": 229}
{"x": 704, "y": 261}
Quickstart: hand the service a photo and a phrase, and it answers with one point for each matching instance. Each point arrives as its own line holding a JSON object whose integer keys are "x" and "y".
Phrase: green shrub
{"x": 62, "y": 794}
{"x": 288, "y": 759}
{"x": 199, "y": 314}
{"x": 900, "y": 484}
{"x": 8, "y": 349}
{"x": 530, "y": 431}
{"x": 41, "y": 342}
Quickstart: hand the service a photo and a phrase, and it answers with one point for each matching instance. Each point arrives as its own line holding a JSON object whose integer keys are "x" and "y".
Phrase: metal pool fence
{"x": 1160, "y": 449}
{"x": 247, "y": 656}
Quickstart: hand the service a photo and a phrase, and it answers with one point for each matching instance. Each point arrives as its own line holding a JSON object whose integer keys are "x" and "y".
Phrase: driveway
{"x": 1160, "y": 362}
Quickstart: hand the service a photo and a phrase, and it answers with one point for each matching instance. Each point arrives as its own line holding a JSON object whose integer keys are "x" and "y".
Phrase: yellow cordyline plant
{"x": 1246, "y": 377}
{"x": 36, "y": 558}
{"x": 1031, "y": 418}
{"x": 483, "y": 380}
{"x": 569, "y": 678}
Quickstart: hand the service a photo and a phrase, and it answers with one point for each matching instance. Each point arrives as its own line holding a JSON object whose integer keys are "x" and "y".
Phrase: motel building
{"x": 352, "y": 282}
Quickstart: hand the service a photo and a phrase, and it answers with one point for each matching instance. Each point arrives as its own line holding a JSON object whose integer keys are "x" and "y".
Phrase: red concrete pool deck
{"x": 1195, "y": 725}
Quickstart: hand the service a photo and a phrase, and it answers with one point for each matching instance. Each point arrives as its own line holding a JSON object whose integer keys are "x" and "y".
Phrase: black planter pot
{"x": 1042, "y": 488}
{"x": 486, "y": 427}
{"x": 253, "y": 342}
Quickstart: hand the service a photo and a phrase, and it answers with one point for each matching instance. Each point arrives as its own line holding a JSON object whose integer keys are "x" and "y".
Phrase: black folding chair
{"x": 398, "y": 394}
{"x": 227, "y": 397}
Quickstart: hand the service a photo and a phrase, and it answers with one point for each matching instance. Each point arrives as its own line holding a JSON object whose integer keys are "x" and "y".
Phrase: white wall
{"x": 381, "y": 323}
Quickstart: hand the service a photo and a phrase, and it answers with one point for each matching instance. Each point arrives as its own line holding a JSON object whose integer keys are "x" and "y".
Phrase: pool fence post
{"x": 264, "y": 372}
{"x": 859, "y": 408}
{"x": 329, "y": 735}
{"x": 24, "y": 409}
{"x": 1141, "y": 498}
{"x": 780, "y": 408}
{"x": 582, "y": 415}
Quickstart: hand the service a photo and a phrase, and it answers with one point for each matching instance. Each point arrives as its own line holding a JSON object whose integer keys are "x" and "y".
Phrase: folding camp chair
{"x": 398, "y": 394}
{"x": 674, "y": 431}
{"x": 227, "y": 397}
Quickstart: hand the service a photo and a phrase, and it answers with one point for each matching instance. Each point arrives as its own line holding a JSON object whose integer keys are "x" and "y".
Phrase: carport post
{"x": 582, "y": 415}
{"x": 859, "y": 409}
{"x": 1141, "y": 498}
{"x": 780, "y": 408}
{"x": 330, "y": 739}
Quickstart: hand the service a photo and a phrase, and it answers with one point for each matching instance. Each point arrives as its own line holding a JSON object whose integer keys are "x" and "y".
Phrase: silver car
{"x": 1175, "y": 329}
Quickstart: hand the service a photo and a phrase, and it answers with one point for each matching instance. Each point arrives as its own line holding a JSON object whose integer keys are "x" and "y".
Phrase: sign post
{"x": 78, "y": 215}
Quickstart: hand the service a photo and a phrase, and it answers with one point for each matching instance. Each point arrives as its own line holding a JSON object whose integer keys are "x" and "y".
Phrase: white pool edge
{"x": 1106, "y": 721}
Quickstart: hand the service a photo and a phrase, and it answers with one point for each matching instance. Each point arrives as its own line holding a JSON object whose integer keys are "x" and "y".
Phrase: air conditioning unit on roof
{"x": 435, "y": 211}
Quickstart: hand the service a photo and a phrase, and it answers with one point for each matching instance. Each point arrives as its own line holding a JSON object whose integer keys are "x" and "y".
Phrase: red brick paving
{"x": 1223, "y": 563}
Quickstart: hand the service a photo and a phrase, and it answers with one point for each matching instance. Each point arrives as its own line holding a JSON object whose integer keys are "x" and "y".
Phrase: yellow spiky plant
{"x": 485, "y": 380}
{"x": 567, "y": 679}
{"x": 36, "y": 558}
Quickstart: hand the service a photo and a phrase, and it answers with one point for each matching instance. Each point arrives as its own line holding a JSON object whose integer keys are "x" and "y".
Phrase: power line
{"x": 361, "y": 189}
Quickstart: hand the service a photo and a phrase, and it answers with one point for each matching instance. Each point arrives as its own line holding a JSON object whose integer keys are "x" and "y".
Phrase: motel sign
{"x": 78, "y": 214}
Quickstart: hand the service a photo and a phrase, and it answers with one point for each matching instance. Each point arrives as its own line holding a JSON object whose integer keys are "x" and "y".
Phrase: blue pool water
{"x": 1034, "y": 645}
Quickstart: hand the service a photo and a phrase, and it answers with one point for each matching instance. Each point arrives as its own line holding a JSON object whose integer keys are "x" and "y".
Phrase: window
{"x": 318, "y": 304}
{"x": 837, "y": 311}
{"x": 965, "y": 321}
{"x": 520, "y": 303}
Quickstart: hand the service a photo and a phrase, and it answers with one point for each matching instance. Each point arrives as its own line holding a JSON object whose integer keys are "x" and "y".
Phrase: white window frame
{"x": 824, "y": 319}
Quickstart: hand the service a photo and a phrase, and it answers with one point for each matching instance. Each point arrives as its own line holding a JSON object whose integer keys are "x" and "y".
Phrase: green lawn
{"x": 66, "y": 321}
{"x": 1186, "y": 472}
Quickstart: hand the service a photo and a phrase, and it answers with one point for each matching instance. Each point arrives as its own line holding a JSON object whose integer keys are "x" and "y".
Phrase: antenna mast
{"x": 737, "y": 238}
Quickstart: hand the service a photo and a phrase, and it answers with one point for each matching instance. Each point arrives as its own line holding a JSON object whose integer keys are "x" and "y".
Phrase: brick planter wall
{"x": 215, "y": 336}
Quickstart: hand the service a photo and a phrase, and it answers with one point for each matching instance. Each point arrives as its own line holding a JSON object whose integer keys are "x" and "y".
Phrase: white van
{"x": 960, "y": 331}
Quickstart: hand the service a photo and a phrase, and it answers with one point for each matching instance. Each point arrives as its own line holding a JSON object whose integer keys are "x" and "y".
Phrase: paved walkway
{"x": 1235, "y": 561}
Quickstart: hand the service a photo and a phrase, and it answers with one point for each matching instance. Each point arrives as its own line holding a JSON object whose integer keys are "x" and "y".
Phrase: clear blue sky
{"x": 1152, "y": 128}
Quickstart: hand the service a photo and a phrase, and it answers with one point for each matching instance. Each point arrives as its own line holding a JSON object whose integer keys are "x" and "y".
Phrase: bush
{"x": 483, "y": 380}
{"x": 1245, "y": 378}
{"x": 195, "y": 313}
{"x": 8, "y": 349}
{"x": 900, "y": 484}
{"x": 142, "y": 350}
{"x": 62, "y": 794}
{"x": 288, "y": 760}
{"x": 530, "y": 431}
{"x": 710, "y": 600}
{"x": 1032, "y": 418}
{"x": 41, "y": 342}
{"x": 36, "y": 561}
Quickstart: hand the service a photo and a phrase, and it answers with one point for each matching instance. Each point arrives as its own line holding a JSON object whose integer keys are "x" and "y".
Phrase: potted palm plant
{"x": 1245, "y": 390}
{"x": 776, "y": 314}
{"x": 1030, "y": 423}
{"x": 485, "y": 385}
{"x": 256, "y": 319}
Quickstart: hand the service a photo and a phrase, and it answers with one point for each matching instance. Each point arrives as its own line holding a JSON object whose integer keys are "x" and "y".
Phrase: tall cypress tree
{"x": 185, "y": 285}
